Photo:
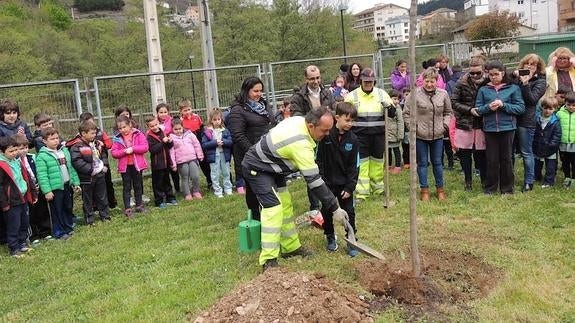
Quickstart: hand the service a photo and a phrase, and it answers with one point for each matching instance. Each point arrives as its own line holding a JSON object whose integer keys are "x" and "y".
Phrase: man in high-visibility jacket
{"x": 287, "y": 148}
{"x": 371, "y": 103}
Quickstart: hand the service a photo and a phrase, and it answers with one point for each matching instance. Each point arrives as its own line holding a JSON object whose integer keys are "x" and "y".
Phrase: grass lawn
{"x": 169, "y": 263}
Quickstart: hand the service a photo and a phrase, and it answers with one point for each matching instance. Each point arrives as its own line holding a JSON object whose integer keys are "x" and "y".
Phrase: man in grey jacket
{"x": 312, "y": 94}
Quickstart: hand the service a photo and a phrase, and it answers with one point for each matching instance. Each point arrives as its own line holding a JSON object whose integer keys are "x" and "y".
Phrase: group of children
{"x": 44, "y": 183}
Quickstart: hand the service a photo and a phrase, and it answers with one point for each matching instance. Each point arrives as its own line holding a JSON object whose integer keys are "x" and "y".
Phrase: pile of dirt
{"x": 447, "y": 282}
{"x": 282, "y": 296}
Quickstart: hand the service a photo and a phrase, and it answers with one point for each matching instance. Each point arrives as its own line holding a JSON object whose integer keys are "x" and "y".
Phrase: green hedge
{"x": 90, "y": 5}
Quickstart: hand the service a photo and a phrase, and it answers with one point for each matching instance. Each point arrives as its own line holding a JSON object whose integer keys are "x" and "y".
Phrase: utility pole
{"x": 210, "y": 78}
{"x": 155, "y": 65}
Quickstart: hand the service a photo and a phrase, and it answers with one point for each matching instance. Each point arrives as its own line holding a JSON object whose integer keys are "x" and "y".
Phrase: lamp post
{"x": 342, "y": 7}
{"x": 193, "y": 84}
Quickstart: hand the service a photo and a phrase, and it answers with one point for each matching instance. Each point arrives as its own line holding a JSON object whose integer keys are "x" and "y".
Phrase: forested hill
{"x": 427, "y": 7}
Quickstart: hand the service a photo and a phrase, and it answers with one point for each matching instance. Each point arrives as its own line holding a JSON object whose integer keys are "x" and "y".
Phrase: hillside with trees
{"x": 427, "y": 7}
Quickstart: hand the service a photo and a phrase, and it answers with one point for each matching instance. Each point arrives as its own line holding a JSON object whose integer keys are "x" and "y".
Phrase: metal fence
{"x": 133, "y": 90}
{"x": 59, "y": 99}
{"x": 286, "y": 75}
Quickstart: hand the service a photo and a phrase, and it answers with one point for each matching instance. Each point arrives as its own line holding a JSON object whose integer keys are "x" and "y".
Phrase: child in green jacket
{"x": 57, "y": 178}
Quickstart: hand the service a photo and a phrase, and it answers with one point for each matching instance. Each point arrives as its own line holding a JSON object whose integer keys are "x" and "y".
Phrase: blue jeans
{"x": 220, "y": 168}
{"x": 525, "y": 136}
{"x": 427, "y": 149}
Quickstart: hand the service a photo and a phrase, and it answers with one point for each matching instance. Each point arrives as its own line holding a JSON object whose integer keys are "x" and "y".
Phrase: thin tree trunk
{"x": 415, "y": 261}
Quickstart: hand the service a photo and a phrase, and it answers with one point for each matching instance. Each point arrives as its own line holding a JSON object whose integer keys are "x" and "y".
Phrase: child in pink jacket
{"x": 129, "y": 147}
{"x": 186, "y": 155}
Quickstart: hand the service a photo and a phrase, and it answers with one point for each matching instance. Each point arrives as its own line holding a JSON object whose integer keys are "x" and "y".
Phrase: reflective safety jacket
{"x": 288, "y": 148}
{"x": 370, "y": 110}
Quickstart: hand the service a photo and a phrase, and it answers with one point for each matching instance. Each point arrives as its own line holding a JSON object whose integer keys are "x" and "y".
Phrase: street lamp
{"x": 192, "y": 77}
{"x": 343, "y": 7}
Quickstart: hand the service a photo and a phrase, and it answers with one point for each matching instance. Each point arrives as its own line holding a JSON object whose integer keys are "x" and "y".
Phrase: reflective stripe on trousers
{"x": 278, "y": 228}
{"x": 370, "y": 179}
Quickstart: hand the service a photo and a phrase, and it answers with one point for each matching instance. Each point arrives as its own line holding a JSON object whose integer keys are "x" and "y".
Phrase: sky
{"x": 356, "y": 6}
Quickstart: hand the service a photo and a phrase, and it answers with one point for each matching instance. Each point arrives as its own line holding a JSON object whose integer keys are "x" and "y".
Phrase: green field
{"x": 167, "y": 264}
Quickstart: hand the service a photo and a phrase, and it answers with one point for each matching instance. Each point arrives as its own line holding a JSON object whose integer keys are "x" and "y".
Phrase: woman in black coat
{"x": 530, "y": 77}
{"x": 249, "y": 119}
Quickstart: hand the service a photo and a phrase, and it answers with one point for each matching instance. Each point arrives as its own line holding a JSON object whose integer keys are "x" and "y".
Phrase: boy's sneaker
{"x": 545, "y": 186}
{"x": 197, "y": 195}
{"x": 331, "y": 242}
{"x": 140, "y": 209}
{"x": 173, "y": 202}
{"x": 128, "y": 212}
{"x": 162, "y": 205}
{"x": 241, "y": 190}
{"x": 16, "y": 254}
{"x": 64, "y": 237}
{"x": 351, "y": 251}
{"x": 189, "y": 197}
{"x": 219, "y": 195}
{"x": 228, "y": 193}
{"x": 25, "y": 248}
{"x": 132, "y": 202}
{"x": 145, "y": 199}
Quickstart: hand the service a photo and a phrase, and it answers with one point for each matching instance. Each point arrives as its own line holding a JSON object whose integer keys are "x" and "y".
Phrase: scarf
{"x": 257, "y": 107}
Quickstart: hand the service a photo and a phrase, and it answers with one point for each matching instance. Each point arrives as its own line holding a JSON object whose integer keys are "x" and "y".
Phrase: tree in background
{"x": 89, "y": 5}
{"x": 487, "y": 28}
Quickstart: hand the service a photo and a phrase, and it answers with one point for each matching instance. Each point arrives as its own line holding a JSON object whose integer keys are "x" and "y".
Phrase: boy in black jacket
{"x": 159, "y": 146}
{"x": 338, "y": 161}
{"x": 89, "y": 162}
{"x": 546, "y": 141}
{"x": 16, "y": 191}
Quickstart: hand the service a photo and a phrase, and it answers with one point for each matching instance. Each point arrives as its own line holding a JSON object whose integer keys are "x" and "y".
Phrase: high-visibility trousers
{"x": 279, "y": 234}
{"x": 371, "y": 164}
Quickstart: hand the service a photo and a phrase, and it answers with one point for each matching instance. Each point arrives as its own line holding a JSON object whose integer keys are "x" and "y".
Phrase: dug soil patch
{"x": 449, "y": 281}
{"x": 282, "y": 296}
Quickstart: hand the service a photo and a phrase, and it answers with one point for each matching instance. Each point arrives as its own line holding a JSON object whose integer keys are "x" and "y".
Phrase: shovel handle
{"x": 349, "y": 229}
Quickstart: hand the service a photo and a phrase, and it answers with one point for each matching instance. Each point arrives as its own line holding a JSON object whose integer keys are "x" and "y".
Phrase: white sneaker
{"x": 145, "y": 199}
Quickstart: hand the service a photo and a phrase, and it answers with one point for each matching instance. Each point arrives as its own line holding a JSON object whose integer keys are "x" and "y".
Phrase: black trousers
{"x": 261, "y": 186}
{"x": 405, "y": 153}
{"x": 465, "y": 156}
{"x": 132, "y": 179}
{"x": 448, "y": 152}
{"x": 499, "y": 164}
{"x": 550, "y": 170}
{"x": 394, "y": 154}
{"x": 161, "y": 186}
{"x": 112, "y": 201}
{"x": 205, "y": 167}
{"x": 17, "y": 223}
{"x": 346, "y": 204}
{"x": 176, "y": 179}
{"x": 568, "y": 164}
{"x": 95, "y": 194}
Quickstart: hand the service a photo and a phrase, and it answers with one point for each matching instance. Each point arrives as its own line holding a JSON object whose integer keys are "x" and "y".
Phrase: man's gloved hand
{"x": 391, "y": 112}
{"x": 340, "y": 215}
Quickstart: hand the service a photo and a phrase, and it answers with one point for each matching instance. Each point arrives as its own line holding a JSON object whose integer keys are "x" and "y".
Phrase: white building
{"x": 373, "y": 20}
{"x": 475, "y": 8}
{"x": 541, "y": 15}
{"x": 397, "y": 29}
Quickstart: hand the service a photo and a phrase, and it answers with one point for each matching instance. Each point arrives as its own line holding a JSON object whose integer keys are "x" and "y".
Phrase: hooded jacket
{"x": 433, "y": 113}
{"x": 159, "y": 150}
{"x": 14, "y": 128}
{"x": 186, "y": 148}
{"x": 504, "y": 118}
{"x": 398, "y": 82}
{"x": 301, "y": 104}
{"x": 9, "y": 192}
{"x": 210, "y": 145}
{"x": 546, "y": 141}
{"x": 83, "y": 158}
{"x": 139, "y": 146}
{"x": 49, "y": 172}
{"x": 463, "y": 100}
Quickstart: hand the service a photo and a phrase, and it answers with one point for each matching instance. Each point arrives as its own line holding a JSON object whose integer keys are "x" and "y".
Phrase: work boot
{"x": 301, "y": 251}
{"x": 441, "y": 194}
{"x": 425, "y": 194}
{"x": 331, "y": 242}
{"x": 270, "y": 263}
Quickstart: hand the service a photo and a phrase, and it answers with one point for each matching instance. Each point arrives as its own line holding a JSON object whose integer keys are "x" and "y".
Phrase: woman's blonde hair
{"x": 430, "y": 72}
{"x": 533, "y": 58}
{"x": 557, "y": 52}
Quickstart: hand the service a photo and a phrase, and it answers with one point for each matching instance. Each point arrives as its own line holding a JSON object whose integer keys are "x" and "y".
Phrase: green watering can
{"x": 250, "y": 234}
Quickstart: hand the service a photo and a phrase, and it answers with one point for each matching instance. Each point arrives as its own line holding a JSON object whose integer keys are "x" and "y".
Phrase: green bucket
{"x": 250, "y": 234}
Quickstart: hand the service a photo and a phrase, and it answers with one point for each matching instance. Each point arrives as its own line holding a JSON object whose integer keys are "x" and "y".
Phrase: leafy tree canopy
{"x": 497, "y": 24}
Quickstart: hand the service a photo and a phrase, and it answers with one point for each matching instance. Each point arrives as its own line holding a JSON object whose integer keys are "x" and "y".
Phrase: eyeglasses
{"x": 475, "y": 73}
{"x": 314, "y": 78}
{"x": 563, "y": 58}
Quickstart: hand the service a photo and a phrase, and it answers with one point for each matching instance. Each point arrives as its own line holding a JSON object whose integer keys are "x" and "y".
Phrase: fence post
{"x": 272, "y": 85}
{"x": 98, "y": 107}
{"x": 77, "y": 98}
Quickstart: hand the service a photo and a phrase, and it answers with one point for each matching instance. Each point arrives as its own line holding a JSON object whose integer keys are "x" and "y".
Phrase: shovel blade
{"x": 365, "y": 249}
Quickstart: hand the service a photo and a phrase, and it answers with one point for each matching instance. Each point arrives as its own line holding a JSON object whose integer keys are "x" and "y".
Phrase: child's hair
{"x": 86, "y": 116}
{"x": 8, "y": 105}
{"x": 163, "y": 105}
{"x": 49, "y": 132}
{"x": 456, "y": 68}
{"x": 339, "y": 77}
{"x": 549, "y": 102}
{"x": 20, "y": 139}
{"x": 41, "y": 118}
{"x": 286, "y": 101}
{"x": 150, "y": 118}
{"x": 184, "y": 104}
{"x": 121, "y": 109}
{"x": 345, "y": 109}
{"x": 123, "y": 118}
{"x": 393, "y": 93}
{"x": 214, "y": 113}
{"x": 570, "y": 97}
{"x": 176, "y": 122}
{"x": 86, "y": 126}
{"x": 6, "y": 142}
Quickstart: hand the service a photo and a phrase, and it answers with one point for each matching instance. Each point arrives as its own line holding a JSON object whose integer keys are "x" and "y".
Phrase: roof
{"x": 438, "y": 11}
{"x": 467, "y": 24}
{"x": 379, "y": 7}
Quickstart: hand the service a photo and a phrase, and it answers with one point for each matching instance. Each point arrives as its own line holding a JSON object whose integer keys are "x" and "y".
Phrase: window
{"x": 534, "y": 1}
{"x": 535, "y": 26}
{"x": 406, "y": 31}
{"x": 521, "y": 14}
{"x": 519, "y": 1}
{"x": 405, "y": 24}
